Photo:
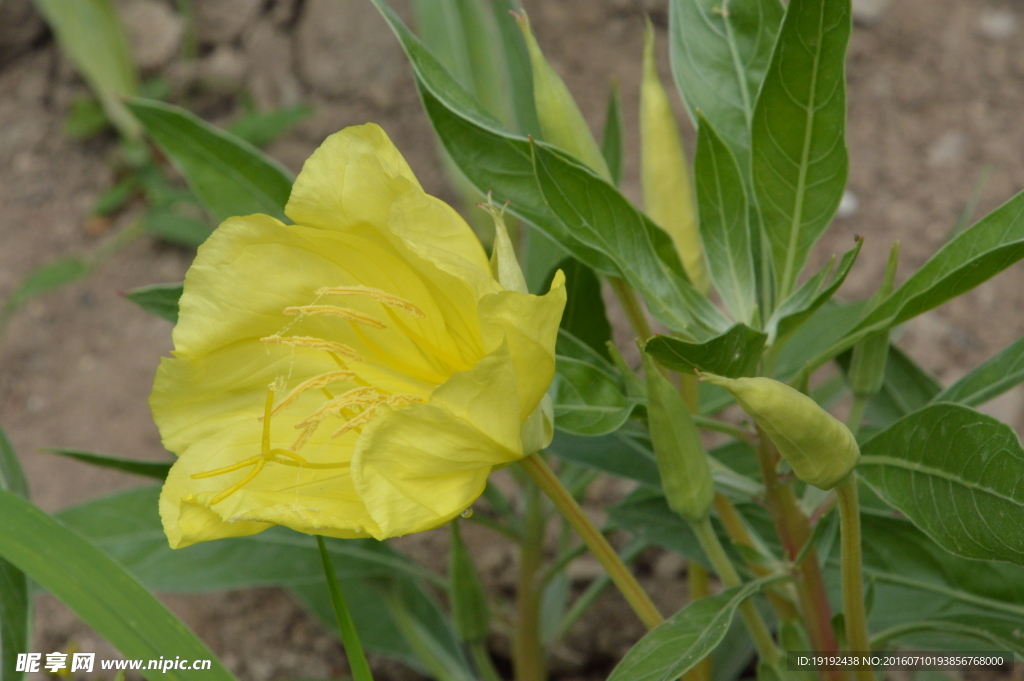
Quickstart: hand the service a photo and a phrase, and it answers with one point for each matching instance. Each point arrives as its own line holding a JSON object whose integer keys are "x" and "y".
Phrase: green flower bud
{"x": 469, "y": 606}
{"x": 664, "y": 174}
{"x": 561, "y": 121}
{"x": 867, "y": 367}
{"x": 821, "y": 450}
{"x": 683, "y": 464}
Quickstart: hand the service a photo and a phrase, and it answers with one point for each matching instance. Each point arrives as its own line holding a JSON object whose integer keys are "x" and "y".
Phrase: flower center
{"x": 356, "y": 406}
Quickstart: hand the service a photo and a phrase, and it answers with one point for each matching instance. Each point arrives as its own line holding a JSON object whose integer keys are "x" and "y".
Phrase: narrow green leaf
{"x": 587, "y": 401}
{"x": 958, "y": 475}
{"x": 149, "y": 469}
{"x": 45, "y": 278}
{"x": 584, "y": 315}
{"x": 999, "y": 633}
{"x": 675, "y": 646}
{"x": 598, "y": 215}
{"x": 799, "y": 157}
{"x": 260, "y": 128}
{"x": 176, "y": 228}
{"x": 357, "y": 663}
{"x": 613, "y": 453}
{"x": 231, "y": 177}
{"x": 989, "y": 379}
{"x": 568, "y": 345}
{"x": 719, "y": 60}
{"x": 906, "y": 388}
{"x": 734, "y": 353}
{"x": 611, "y": 139}
{"x": 99, "y": 591}
{"x": 159, "y": 299}
{"x": 15, "y": 610}
{"x": 517, "y": 61}
{"x": 724, "y": 216}
{"x": 468, "y": 602}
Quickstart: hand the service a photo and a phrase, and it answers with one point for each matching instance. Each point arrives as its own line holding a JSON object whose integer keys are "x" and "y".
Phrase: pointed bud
{"x": 504, "y": 264}
{"x": 469, "y": 606}
{"x": 867, "y": 368}
{"x": 682, "y": 463}
{"x": 664, "y": 174}
{"x": 561, "y": 121}
{"x": 820, "y": 449}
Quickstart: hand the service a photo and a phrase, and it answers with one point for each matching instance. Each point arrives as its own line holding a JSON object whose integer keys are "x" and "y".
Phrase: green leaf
{"x": 231, "y": 177}
{"x": 719, "y": 60}
{"x": 734, "y": 353}
{"x": 957, "y": 474}
{"x": 176, "y": 228}
{"x": 45, "y": 278}
{"x": 149, "y": 469}
{"x": 799, "y": 157}
{"x": 584, "y": 316}
{"x": 159, "y": 299}
{"x": 85, "y": 118}
{"x": 614, "y": 453}
{"x": 989, "y": 379}
{"x": 906, "y": 388}
{"x": 998, "y": 632}
{"x": 680, "y": 642}
{"x": 91, "y": 34}
{"x": 611, "y": 139}
{"x": 599, "y": 216}
{"x": 260, "y": 128}
{"x": 725, "y": 221}
{"x": 517, "y": 61}
{"x": 98, "y": 590}
{"x": 587, "y": 400}
{"x": 15, "y": 610}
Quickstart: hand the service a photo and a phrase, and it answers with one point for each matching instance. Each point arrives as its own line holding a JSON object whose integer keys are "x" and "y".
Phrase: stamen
{"x": 403, "y": 399}
{"x": 304, "y": 436}
{"x": 360, "y": 419}
{"x": 333, "y": 311}
{"x": 382, "y": 297}
{"x": 317, "y": 382}
{"x": 314, "y": 344}
{"x": 356, "y": 397}
{"x": 241, "y": 483}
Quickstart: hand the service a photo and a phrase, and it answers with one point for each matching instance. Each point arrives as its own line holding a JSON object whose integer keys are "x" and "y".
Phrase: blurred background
{"x": 936, "y": 135}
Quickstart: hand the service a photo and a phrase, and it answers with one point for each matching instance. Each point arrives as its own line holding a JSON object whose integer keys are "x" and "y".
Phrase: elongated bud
{"x": 821, "y": 450}
{"x": 561, "y": 122}
{"x": 867, "y": 367}
{"x": 469, "y": 607}
{"x": 682, "y": 462}
{"x": 504, "y": 264}
{"x": 664, "y": 174}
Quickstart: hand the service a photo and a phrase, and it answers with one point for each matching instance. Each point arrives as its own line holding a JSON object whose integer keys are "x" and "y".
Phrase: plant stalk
{"x": 620, "y": 575}
{"x": 699, "y": 583}
{"x": 857, "y": 409}
{"x": 631, "y": 305}
{"x": 349, "y": 636}
{"x": 527, "y": 651}
{"x": 852, "y": 573}
{"x": 763, "y": 641}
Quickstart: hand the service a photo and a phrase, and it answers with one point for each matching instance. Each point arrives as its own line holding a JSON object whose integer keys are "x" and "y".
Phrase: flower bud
{"x": 561, "y": 121}
{"x": 683, "y": 464}
{"x": 821, "y": 450}
{"x": 664, "y": 177}
{"x": 469, "y": 606}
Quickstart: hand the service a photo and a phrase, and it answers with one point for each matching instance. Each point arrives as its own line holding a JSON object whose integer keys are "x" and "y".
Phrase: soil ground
{"x": 936, "y": 88}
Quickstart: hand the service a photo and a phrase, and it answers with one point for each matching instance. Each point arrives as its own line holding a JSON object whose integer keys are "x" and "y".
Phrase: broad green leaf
{"x": 91, "y": 33}
{"x": 176, "y": 228}
{"x": 733, "y": 353}
{"x": 568, "y": 345}
{"x": 159, "y": 299}
{"x": 231, "y": 177}
{"x": 517, "y": 60}
{"x": 584, "y": 316}
{"x": 680, "y": 642}
{"x": 799, "y": 157}
{"x": 957, "y": 474}
{"x": 989, "y": 379}
{"x": 98, "y": 590}
{"x": 587, "y": 400}
{"x": 806, "y": 300}
{"x": 999, "y": 633}
{"x": 613, "y": 453}
{"x": 149, "y": 469}
{"x": 826, "y": 326}
{"x": 126, "y": 526}
{"x": 611, "y": 139}
{"x": 719, "y": 60}
{"x": 597, "y": 214}
{"x": 724, "y": 216}
{"x": 15, "y": 610}
{"x": 260, "y": 128}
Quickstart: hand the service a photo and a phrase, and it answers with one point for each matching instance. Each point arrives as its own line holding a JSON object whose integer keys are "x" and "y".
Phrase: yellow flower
{"x": 358, "y": 373}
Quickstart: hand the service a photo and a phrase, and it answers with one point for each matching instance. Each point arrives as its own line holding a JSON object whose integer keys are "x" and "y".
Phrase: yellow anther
{"x": 304, "y": 436}
{"x": 382, "y": 297}
{"x": 333, "y": 311}
{"x": 314, "y": 344}
{"x": 315, "y": 383}
{"x": 356, "y": 421}
{"x": 402, "y": 399}
{"x": 356, "y": 397}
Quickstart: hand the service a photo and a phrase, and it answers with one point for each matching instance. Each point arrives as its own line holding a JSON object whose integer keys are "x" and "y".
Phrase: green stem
{"x": 852, "y": 573}
{"x": 857, "y": 409}
{"x": 631, "y": 305}
{"x": 766, "y": 649}
{"x": 698, "y": 584}
{"x": 528, "y": 653}
{"x": 596, "y": 588}
{"x": 483, "y": 662}
{"x": 631, "y": 590}
{"x": 349, "y": 636}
